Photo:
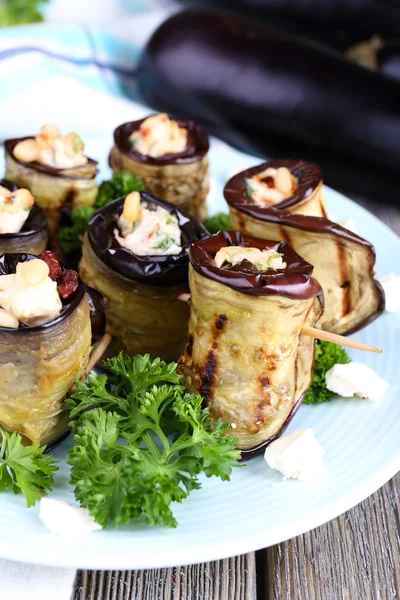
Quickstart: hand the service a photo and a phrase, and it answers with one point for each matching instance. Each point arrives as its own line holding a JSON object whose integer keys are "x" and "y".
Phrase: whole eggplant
{"x": 274, "y": 94}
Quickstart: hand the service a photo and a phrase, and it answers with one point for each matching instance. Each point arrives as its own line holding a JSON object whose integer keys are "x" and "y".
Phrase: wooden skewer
{"x": 337, "y": 339}
{"x": 98, "y": 353}
{"x": 318, "y": 334}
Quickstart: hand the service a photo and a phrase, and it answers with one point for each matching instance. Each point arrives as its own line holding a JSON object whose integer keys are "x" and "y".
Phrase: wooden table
{"x": 353, "y": 557}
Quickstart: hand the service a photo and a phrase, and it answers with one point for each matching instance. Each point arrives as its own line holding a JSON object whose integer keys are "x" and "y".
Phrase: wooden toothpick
{"x": 337, "y": 339}
{"x": 99, "y": 351}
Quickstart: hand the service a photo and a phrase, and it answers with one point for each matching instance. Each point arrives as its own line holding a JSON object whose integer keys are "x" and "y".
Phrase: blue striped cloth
{"x": 103, "y": 56}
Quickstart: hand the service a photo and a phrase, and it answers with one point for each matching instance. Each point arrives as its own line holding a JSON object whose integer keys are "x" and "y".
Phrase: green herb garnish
{"x": 24, "y": 469}
{"x": 219, "y": 222}
{"x": 141, "y": 441}
{"x": 249, "y": 190}
{"x": 166, "y": 242}
{"x": 326, "y": 355}
{"x": 71, "y": 237}
{"x": 121, "y": 184}
{"x": 19, "y": 12}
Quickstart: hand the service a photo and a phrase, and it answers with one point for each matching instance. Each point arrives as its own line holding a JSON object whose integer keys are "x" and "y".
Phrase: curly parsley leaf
{"x": 119, "y": 185}
{"x": 326, "y": 355}
{"x": 141, "y": 442}
{"x": 219, "y": 222}
{"x": 24, "y": 469}
{"x": 71, "y": 237}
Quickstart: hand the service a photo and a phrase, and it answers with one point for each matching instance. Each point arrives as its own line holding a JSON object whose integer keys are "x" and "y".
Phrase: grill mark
{"x": 208, "y": 377}
{"x": 220, "y": 323}
{"x": 265, "y": 381}
{"x": 189, "y": 346}
{"x": 296, "y": 373}
{"x": 344, "y": 278}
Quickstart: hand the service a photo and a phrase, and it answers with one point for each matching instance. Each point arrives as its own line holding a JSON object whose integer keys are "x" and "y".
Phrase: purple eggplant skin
{"x": 339, "y": 24}
{"x": 388, "y": 58}
{"x": 272, "y": 93}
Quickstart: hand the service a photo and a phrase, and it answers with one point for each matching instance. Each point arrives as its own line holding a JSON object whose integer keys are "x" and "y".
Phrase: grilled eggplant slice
{"x": 246, "y": 354}
{"x": 39, "y": 365}
{"x": 343, "y": 261}
{"x": 181, "y": 179}
{"x": 33, "y": 236}
{"x": 52, "y": 188}
{"x": 143, "y": 312}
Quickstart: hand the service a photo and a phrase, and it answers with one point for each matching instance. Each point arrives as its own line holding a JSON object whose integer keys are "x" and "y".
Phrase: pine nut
{"x": 27, "y": 151}
{"x": 34, "y": 271}
{"x": 7, "y": 319}
{"x": 131, "y": 209}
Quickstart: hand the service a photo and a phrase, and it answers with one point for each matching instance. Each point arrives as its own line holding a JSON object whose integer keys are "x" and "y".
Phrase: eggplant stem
{"x": 98, "y": 352}
{"x": 337, "y": 339}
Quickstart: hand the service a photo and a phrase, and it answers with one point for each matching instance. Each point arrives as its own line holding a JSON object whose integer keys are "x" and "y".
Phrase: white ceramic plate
{"x": 256, "y": 508}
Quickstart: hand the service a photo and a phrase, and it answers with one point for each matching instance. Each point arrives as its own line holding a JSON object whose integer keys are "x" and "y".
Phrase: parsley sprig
{"x": 219, "y": 222}
{"x": 141, "y": 442}
{"x": 24, "y": 469}
{"x": 326, "y": 355}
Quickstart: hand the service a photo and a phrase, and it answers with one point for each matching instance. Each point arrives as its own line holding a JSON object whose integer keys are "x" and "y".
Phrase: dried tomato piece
{"x": 54, "y": 266}
{"x": 68, "y": 283}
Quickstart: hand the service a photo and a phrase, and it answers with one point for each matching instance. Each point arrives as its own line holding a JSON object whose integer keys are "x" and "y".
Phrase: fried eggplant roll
{"x": 135, "y": 255}
{"x": 23, "y": 224}
{"x": 54, "y": 168}
{"x": 170, "y": 155}
{"x": 246, "y": 355}
{"x": 45, "y": 338}
{"x": 278, "y": 200}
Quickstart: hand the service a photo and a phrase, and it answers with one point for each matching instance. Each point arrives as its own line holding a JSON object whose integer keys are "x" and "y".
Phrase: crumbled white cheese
{"x": 262, "y": 259}
{"x": 355, "y": 379}
{"x": 14, "y": 209}
{"x": 65, "y": 519}
{"x": 159, "y": 135}
{"x": 296, "y": 456}
{"x": 155, "y": 233}
{"x": 30, "y": 304}
{"x": 233, "y": 425}
{"x": 391, "y": 287}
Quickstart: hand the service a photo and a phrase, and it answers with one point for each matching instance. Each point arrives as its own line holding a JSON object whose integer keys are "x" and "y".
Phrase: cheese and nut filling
{"x": 158, "y": 136}
{"x": 145, "y": 231}
{"x": 28, "y": 296}
{"x": 14, "y": 209}
{"x": 261, "y": 259}
{"x": 51, "y": 148}
{"x": 271, "y": 186}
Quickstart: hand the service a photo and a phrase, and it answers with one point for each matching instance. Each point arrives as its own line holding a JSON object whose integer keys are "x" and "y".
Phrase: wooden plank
{"x": 353, "y": 557}
{"x": 230, "y": 579}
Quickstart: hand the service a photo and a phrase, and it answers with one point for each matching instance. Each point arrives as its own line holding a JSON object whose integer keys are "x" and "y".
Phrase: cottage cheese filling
{"x": 29, "y": 295}
{"x": 261, "y": 259}
{"x": 271, "y": 186}
{"x": 14, "y": 209}
{"x": 158, "y": 136}
{"x": 51, "y": 148}
{"x": 148, "y": 232}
